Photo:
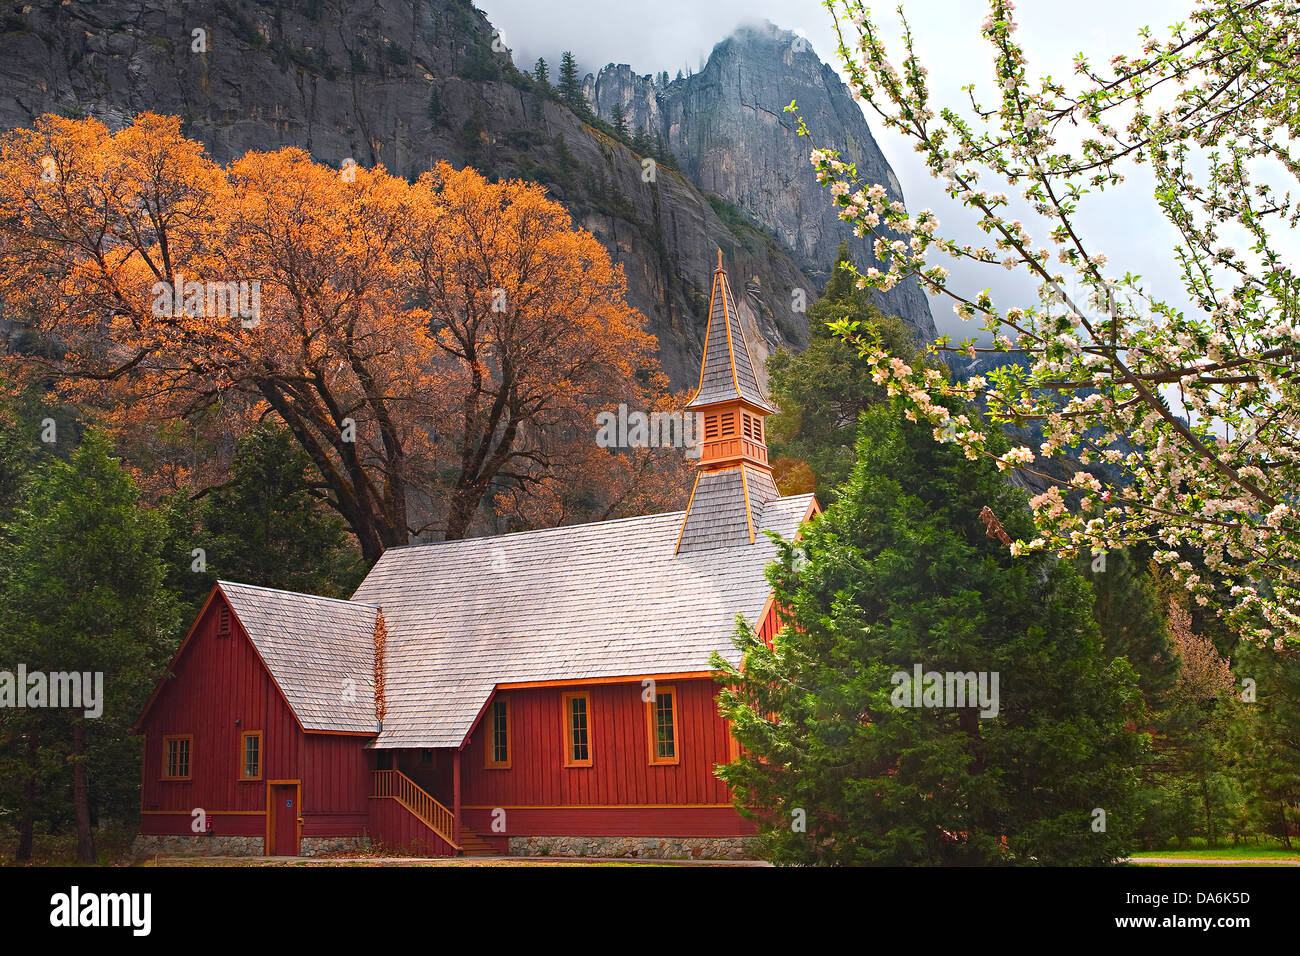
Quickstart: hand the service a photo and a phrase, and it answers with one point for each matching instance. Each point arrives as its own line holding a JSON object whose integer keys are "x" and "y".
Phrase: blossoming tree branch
{"x": 1185, "y": 413}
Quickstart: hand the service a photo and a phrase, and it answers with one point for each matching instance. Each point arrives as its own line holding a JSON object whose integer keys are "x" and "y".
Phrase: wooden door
{"x": 283, "y": 813}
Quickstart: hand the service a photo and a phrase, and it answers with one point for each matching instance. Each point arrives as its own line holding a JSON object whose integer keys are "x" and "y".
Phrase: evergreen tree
{"x": 1131, "y": 614}
{"x": 542, "y": 76}
{"x": 1130, "y": 610}
{"x": 897, "y": 573}
{"x": 186, "y": 549}
{"x": 822, "y": 390}
{"x": 662, "y": 153}
{"x": 17, "y": 458}
{"x": 619, "y": 121}
{"x": 641, "y": 143}
{"x": 268, "y": 527}
{"x": 1264, "y": 734}
{"x": 570, "y": 85}
{"x": 1192, "y": 789}
{"x": 81, "y": 590}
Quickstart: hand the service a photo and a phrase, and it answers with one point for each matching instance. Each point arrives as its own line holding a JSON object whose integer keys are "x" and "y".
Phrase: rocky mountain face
{"x": 729, "y": 131}
{"x": 406, "y": 83}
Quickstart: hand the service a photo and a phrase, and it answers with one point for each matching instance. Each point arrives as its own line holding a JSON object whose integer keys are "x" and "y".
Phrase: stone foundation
{"x": 319, "y": 846}
{"x": 147, "y": 845}
{"x": 644, "y": 848}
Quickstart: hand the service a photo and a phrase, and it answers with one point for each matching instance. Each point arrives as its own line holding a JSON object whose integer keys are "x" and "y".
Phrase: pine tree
{"x": 1131, "y": 614}
{"x": 267, "y": 527}
{"x": 542, "y": 75}
{"x": 619, "y": 120}
{"x": 898, "y": 573}
{"x": 822, "y": 390}
{"x": 570, "y": 85}
{"x": 662, "y": 153}
{"x": 1263, "y": 733}
{"x": 81, "y": 590}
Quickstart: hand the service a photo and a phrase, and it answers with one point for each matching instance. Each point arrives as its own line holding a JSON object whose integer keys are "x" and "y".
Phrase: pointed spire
{"x": 727, "y": 369}
{"x": 734, "y": 482}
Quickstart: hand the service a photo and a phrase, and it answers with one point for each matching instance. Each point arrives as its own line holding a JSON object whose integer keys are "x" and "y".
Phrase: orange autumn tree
{"x": 533, "y": 335}
{"x": 428, "y": 344}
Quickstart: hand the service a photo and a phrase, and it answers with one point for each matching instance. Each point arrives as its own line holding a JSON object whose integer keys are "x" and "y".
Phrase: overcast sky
{"x": 675, "y": 34}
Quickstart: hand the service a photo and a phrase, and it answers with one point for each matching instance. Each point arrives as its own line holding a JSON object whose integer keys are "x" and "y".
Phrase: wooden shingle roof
{"x": 320, "y": 652}
{"x": 726, "y": 508}
{"x": 608, "y": 599}
{"x": 727, "y": 370}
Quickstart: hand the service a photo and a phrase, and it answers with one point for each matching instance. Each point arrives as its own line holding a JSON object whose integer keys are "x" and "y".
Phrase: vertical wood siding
{"x": 620, "y": 773}
{"x": 217, "y": 681}
{"x": 400, "y": 830}
{"x": 769, "y": 625}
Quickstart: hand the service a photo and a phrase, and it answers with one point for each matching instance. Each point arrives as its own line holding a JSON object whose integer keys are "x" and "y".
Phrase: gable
{"x": 212, "y": 665}
{"x": 318, "y": 653}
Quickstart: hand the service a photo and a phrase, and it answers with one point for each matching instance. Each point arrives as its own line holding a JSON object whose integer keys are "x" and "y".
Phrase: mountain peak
{"x": 727, "y": 128}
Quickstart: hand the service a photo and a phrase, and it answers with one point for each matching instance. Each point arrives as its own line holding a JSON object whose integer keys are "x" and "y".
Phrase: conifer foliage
{"x": 898, "y": 573}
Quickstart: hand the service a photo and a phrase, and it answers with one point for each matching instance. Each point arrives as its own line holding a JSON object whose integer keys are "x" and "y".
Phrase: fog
{"x": 678, "y": 34}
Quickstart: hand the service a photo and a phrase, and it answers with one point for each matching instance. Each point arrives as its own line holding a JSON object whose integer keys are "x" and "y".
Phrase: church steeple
{"x": 733, "y": 482}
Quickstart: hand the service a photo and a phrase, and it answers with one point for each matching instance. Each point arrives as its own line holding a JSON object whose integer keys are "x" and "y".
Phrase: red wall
{"x": 621, "y": 792}
{"x": 770, "y": 624}
{"x": 218, "y": 680}
{"x": 401, "y": 831}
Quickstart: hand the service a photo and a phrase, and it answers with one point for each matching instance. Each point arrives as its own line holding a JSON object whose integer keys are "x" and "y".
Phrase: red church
{"x": 545, "y": 692}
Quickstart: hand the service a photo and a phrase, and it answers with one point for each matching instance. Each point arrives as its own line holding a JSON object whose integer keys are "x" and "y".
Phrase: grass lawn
{"x": 1271, "y": 853}
{"x": 1230, "y": 853}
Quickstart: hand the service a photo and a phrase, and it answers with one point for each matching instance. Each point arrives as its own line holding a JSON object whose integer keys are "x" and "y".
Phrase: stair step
{"x": 471, "y": 844}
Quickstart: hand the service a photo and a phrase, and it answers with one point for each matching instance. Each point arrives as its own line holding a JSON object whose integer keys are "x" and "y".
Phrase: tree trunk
{"x": 1209, "y": 819}
{"x": 27, "y": 823}
{"x": 81, "y": 795}
{"x": 464, "y": 505}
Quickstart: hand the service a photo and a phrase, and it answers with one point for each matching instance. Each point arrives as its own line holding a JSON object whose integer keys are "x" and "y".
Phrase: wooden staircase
{"x": 398, "y": 786}
{"x": 471, "y": 844}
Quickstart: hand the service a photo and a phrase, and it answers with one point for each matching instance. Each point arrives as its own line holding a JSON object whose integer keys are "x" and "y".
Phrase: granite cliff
{"x": 408, "y": 82}
{"x": 728, "y": 129}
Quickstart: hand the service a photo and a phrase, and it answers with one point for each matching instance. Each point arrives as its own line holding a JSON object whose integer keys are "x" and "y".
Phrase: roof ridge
{"x": 315, "y": 597}
{"x": 519, "y": 534}
{"x": 564, "y": 527}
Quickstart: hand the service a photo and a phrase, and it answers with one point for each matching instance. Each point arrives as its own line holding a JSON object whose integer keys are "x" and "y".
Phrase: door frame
{"x": 271, "y": 811}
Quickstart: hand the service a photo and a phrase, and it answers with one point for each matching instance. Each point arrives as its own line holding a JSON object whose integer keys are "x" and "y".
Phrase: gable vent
{"x": 223, "y": 621}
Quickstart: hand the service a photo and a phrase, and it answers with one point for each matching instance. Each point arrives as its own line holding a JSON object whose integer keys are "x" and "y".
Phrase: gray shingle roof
{"x": 607, "y": 599}
{"x": 716, "y": 517}
{"x": 727, "y": 371}
{"x": 320, "y": 651}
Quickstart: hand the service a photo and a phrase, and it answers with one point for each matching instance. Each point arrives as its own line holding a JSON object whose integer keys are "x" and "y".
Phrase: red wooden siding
{"x": 217, "y": 681}
{"x": 769, "y": 624}
{"x": 620, "y": 793}
{"x": 400, "y": 830}
{"x": 335, "y": 771}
